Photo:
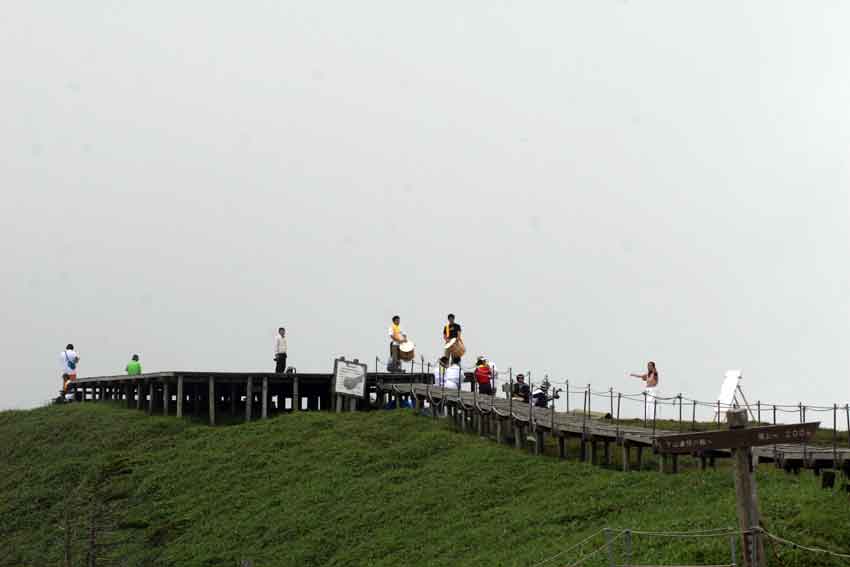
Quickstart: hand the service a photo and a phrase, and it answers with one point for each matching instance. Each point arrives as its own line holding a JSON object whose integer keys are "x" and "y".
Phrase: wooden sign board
{"x": 349, "y": 378}
{"x": 736, "y": 438}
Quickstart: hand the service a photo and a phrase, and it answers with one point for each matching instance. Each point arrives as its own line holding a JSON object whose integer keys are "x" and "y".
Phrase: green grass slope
{"x": 93, "y": 481}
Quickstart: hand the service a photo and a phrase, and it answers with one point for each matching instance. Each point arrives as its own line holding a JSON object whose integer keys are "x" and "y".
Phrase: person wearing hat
{"x": 484, "y": 376}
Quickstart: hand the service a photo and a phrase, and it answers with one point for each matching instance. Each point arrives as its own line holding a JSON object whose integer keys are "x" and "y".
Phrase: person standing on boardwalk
{"x": 280, "y": 351}
{"x": 70, "y": 360}
{"x": 134, "y": 367}
{"x": 452, "y": 330}
{"x": 397, "y": 337}
{"x": 484, "y": 376}
{"x": 650, "y": 383}
{"x": 447, "y": 375}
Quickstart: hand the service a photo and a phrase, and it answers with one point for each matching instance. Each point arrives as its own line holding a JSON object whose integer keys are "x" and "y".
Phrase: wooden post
{"x": 594, "y": 452}
{"x": 518, "y": 436}
{"x": 150, "y": 400}
{"x": 265, "y": 405}
{"x": 338, "y": 403}
{"x": 606, "y": 453}
{"x": 212, "y": 399}
{"x": 352, "y": 404}
{"x": 639, "y": 457}
{"x": 747, "y": 498}
{"x": 626, "y": 451}
{"x": 296, "y": 396}
{"x": 234, "y": 394}
{"x": 179, "y": 396}
{"x": 165, "y": 399}
{"x": 562, "y": 447}
{"x": 139, "y": 394}
{"x": 662, "y": 462}
{"x": 249, "y": 398}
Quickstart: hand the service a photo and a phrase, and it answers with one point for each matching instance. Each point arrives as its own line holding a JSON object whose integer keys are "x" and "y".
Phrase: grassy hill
{"x": 380, "y": 488}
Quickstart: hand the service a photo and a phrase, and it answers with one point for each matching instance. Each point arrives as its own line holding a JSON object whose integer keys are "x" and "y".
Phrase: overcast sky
{"x": 587, "y": 185}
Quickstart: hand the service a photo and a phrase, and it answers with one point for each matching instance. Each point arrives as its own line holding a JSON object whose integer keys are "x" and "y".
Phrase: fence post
{"x": 774, "y": 414}
{"x": 619, "y": 398}
{"x": 694, "y": 417}
{"x": 568, "y": 395}
{"x": 680, "y": 411}
{"x": 835, "y": 435}
{"x": 733, "y": 550}
{"x": 758, "y": 409}
{"x": 847, "y": 407}
{"x": 611, "y": 395}
{"x": 610, "y": 546}
{"x": 644, "y": 408}
{"x": 654, "y": 414}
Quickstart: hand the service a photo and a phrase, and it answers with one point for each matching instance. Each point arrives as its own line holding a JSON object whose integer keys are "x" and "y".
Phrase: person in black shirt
{"x": 521, "y": 389}
{"x": 451, "y": 330}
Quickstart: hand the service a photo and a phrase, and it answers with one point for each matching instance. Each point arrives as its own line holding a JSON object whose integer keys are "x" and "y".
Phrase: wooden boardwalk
{"x": 525, "y": 424}
{"x": 250, "y": 395}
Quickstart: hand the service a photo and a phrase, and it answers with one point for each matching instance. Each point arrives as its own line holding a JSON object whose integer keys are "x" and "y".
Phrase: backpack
{"x": 72, "y": 364}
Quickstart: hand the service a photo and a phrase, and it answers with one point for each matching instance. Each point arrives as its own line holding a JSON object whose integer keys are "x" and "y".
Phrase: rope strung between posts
{"x": 597, "y": 550}
{"x": 560, "y": 553}
{"x": 803, "y": 547}
{"x": 640, "y": 398}
{"x": 715, "y": 532}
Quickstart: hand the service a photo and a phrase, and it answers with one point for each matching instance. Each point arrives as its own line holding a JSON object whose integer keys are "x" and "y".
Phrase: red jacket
{"x": 482, "y": 374}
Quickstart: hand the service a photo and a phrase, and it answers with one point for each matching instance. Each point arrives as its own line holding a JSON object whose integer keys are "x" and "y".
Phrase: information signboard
{"x": 736, "y": 438}
{"x": 349, "y": 378}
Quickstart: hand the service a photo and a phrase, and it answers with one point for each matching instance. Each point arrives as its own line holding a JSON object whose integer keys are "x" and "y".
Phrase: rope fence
{"x": 612, "y": 535}
{"x": 650, "y": 407}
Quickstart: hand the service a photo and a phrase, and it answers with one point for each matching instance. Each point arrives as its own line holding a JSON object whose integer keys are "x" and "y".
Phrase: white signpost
{"x": 731, "y": 394}
{"x": 349, "y": 380}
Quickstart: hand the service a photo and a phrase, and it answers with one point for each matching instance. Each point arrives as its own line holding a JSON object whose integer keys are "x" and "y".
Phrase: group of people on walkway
{"x": 69, "y": 362}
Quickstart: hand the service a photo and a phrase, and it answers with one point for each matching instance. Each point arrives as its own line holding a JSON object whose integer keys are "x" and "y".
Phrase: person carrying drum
{"x": 397, "y": 337}
{"x": 484, "y": 376}
{"x": 451, "y": 334}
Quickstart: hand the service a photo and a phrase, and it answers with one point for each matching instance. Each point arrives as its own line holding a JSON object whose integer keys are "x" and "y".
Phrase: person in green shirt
{"x": 134, "y": 367}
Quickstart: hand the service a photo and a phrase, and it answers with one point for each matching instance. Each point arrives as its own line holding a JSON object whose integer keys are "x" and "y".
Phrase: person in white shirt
{"x": 280, "y": 351}
{"x": 397, "y": 337}
{"x": 69, "y": 360}
{"x": 650, "y": 388}
{"x": 447, "y": 375}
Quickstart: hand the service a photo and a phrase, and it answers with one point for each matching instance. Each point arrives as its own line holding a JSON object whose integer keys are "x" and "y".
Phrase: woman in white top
{"x": 650, "y": 383}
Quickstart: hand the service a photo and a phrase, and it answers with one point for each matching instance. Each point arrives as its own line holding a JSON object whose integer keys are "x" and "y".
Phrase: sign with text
{"x": 349, "y": 378}
{"x": 736, "y": 438}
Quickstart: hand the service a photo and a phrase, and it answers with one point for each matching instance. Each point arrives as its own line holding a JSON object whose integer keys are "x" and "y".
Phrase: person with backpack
{"x": 70, "y": 360}
{"x": 484, "y": 376}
